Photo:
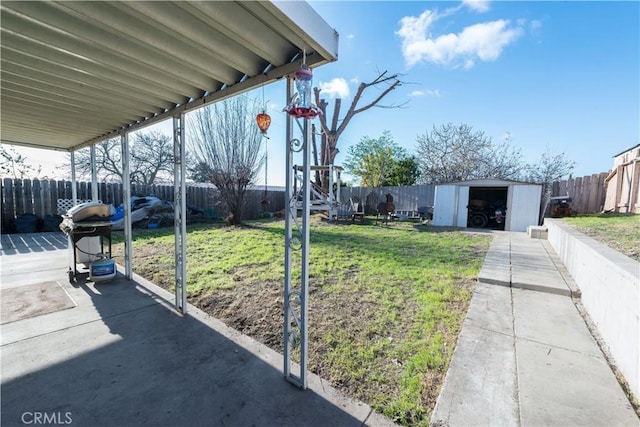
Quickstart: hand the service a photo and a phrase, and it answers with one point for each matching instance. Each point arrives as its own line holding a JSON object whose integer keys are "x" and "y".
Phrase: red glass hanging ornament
{"x": 264, "y": 121}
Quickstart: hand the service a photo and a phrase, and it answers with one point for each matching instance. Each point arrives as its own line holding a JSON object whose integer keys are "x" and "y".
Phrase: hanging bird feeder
{"x": 264, "y": 121}
{"x": 301, "y": 105}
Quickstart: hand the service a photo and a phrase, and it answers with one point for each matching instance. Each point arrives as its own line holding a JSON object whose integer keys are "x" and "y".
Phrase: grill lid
{"x": 89, "y": 210}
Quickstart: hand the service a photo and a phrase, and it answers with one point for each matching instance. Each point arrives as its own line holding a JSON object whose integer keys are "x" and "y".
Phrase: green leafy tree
{"x": 405, "y": 171}
{"x": 373, "y": 161}
{"x": 16, "y": 165}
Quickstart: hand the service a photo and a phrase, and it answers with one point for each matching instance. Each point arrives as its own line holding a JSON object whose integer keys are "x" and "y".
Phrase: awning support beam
{"x": 220, "y": 95}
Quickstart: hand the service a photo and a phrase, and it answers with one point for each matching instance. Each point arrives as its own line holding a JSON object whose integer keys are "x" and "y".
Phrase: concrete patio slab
{"x": 23, "y": 302}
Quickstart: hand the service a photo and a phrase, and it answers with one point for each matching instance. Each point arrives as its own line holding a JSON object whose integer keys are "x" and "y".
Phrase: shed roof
{"x": 75, "y": 73}
{"x": 490, "y": 183}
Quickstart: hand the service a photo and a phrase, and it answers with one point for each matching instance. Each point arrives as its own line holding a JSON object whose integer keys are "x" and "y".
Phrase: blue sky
{"x": 562, "y": 75}
{"x": 558, "y": 75}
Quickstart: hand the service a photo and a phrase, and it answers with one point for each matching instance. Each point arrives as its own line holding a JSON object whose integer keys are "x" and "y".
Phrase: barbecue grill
{"x": 89, "y": 223}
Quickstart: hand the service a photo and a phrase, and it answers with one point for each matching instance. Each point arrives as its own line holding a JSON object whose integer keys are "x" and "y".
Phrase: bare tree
{"x": 226, "y": 144}
{"x": 331, "y": 130}
{"x": 452, "y": 153}
{"x": 152, "y": 156}
{"x": 16, "y": 165}
{"x": 151, "y": 159}
{"x": 551, "y": 167}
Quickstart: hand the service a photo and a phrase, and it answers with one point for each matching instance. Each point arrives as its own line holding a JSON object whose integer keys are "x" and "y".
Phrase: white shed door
{"x": 462, "y": 208}
{"x": 524, "y": 207}
{"x": 444, "y": 209}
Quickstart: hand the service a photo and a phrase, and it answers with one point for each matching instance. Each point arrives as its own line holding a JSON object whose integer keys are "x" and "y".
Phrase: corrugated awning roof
{"x": 74, "y": 73}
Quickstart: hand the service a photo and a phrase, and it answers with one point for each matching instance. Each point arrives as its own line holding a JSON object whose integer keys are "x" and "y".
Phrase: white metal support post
{"x": 296, "y": 295}
{"x": 94, "y": 175}
{"x": 74, "y": 184}
{"x": 289, "y": 178}
{"x": 180, "y": 212}
{"x": 333, "y": 211}
{"x": 126, "y": 201}
{"x": 339, "y": 184}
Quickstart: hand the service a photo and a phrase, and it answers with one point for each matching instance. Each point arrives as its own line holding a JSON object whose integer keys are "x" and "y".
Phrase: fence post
{"x": 28, "y": 196}
{"x": 18, "y": 196}
{"x": 37, "y": 199}
{"x": 45, "y": 188}
{"x": 8, "y": 205}
{"x": 602, "y": 191}
{"x": 53, "y": 197}
{"x": 82, "y": 191}
{"x": 593, "y": 194}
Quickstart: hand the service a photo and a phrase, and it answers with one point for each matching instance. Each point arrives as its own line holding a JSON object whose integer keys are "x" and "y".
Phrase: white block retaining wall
{"x": 610, "y": 287}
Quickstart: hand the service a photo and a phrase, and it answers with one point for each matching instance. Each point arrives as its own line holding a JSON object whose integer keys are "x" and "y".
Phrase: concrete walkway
{"x": 525, "y": 356}
{"x": 123, "y": 357}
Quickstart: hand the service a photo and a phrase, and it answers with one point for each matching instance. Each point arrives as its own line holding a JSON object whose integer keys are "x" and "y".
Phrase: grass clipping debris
{"x": 386, "y": 303}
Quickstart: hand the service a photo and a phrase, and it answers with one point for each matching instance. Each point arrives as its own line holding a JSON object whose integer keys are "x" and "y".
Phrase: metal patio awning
{"x": 75, "y": 73}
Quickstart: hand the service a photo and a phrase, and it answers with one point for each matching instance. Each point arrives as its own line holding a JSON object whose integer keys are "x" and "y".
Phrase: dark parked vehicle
{"x": 492, "y": 215}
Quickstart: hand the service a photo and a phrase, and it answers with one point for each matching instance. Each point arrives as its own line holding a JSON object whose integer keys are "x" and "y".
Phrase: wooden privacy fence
{"x": 40, "y": 197}
{"x": 587, "y": 193}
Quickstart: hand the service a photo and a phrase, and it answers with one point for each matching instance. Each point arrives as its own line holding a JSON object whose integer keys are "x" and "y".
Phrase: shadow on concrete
{"x": 32, "y": 242}
{"x": 141, "y": 363}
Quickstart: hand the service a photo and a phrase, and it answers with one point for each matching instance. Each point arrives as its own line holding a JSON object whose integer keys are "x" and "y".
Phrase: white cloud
{"x": 480, "y": 6}
{"x": 355, "y": 80}
{"x": 351, "y": 36}
{"x": 535, "y": 24}
{"x": 484, "y": 41}
{"x": 336, "y": 88}
{"x": 435, "y": 93}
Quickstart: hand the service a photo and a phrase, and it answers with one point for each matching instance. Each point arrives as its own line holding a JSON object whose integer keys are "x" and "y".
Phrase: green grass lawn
{"x": 618, "y": 231}
{"x": 386, "y": 302}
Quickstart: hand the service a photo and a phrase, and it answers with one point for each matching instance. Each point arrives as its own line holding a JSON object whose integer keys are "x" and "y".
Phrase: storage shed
{"x": 474, "y": 204}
